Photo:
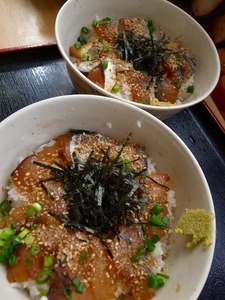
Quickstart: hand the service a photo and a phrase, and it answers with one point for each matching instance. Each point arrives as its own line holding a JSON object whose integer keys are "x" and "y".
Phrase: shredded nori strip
{"x": 145, "y": 53}
{"x": 100, "y": 194}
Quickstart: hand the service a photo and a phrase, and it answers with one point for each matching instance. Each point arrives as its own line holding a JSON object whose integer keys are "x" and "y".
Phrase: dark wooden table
{"x": 32, "y": 75}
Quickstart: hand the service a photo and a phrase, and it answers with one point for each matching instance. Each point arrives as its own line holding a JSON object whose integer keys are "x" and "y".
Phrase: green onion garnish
{"x": 156, "y": 210}
{"x": 179, "y": 58}
{"x": 29, "y": 239}
{"x": 150, "y": 246}
{"x": 157, "y": 280}
{"x": 105, "y": 64}
{"x": 83, "y": 256}
{"x": 137, "y": 257}
{"x": 7, "y": 233}
{"x": 105, "y": 48}
{"x": 116, "y": 88}
{"x": 35, "y": 250}
{"x": 190, "y": 89}
{"x": 23, "y": 233}
{"x": 79, "y": 287}
{"x": 106, "y": 21}
{"x": 68, "y": 292}
{"x": 43, "y": 276}
{"x": 30, "y": 212}
{"x": 48, "y": 261}
{"x": 85, "y": 57}
{"x": 155, "y": 220}
{"x": 143, "y": 101}
{"x": 77, "y": 45}
{"x": 36, "y": 207}
{"x": 5, "y": 207}
{"x": 13, "y": 260}
{"x": 84, "y": 30}
{"x": 100, "y": 40}
{"x": 95, "y": 22}
{"x": 82, "y": 39}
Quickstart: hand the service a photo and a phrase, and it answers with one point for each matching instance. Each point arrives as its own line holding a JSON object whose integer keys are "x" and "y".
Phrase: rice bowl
{"x": 33, "y": 126}
{"x": 71, "y": 18}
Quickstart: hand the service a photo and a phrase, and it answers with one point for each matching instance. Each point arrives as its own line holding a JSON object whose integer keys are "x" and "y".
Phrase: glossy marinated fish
{"x": 105, "y": 264}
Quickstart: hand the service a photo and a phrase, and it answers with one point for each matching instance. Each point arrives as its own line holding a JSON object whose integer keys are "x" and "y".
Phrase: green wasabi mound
{"x": 198, "y": 224}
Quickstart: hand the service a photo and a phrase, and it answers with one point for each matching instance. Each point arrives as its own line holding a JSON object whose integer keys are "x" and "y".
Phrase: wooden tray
{"x": 27, "y": 23}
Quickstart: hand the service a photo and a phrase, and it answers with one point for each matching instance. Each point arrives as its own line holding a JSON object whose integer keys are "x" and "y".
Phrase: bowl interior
{"x": 172, "y": 20}
{"x": 34, "y": 125}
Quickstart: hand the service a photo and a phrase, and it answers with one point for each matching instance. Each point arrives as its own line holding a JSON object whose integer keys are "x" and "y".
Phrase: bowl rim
{"x": 156, "y": 108}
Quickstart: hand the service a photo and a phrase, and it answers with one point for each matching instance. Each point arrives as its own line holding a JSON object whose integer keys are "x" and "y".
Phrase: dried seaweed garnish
{"x": 145, "y": 53}
{"x": 100, "y": 194}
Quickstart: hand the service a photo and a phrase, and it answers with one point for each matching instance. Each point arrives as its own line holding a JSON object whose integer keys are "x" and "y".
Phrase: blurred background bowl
{"x": 173, "y": 21}
{"x": 35, "y": 125}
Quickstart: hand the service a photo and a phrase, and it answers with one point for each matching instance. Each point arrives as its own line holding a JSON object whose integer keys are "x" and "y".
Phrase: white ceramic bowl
{"x": 36, "y": 124}
{"x": 75, "y": 14}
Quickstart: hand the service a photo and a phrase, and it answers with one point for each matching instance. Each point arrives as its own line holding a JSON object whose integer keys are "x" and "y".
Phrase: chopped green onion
{"x": 48, "y": 261}
{"x": 155, "y": 239}
{"x": 150, "y": 246}
{"x": 7, "y": 248}
{"x": 13, "y": 260}
{"x": 29, "y": 239}
{"x": 37, "y": 206}
{"x": 83, "y": 256}
{"x": 156, "y": 210}
{"x": 100, "y": 40}
{"x": 43, "y": 292}
{"x": 165, "y": 220}
{"x": 106, "y": 21}
{"x": 82, "y": 39}
{"x": 85, "y": 57}
{"x": 77, "y": 45}
{"x": 116, "y": 88}
{"x": 190, "y": 89}
{"x": 155, "y": 220}
{"x": 68, "y": 292}
{"x": 179, "y": 58}
{"x": 152, "y": 282}
{"x": 43, "y": 276}
{"x": 30, "y": 212}
{"x": 105, "y": 64}
{"x": 35, "y": 250}
{"x": 2, "y": 243}
{"x": 84, "y": 30}
{"x": 79, "y": 287}
{"x": 95, "y": 22}
{"x": 13, "y": 226}
{"x": 177, "y": 84}
{"x": 7, "y": 233}
{"x": 5, "y": 207}
{"x": 23, "y": 233}
{"x": 76, "y": 281}
{"x": 143, "y": 101}
{"x": 137, "y": 257}
{"x": 105, "y": 48}
{"x": 157, "y": 280}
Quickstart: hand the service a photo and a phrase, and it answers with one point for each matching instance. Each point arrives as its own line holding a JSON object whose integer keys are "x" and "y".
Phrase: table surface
{"x": 32, "y": 75}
